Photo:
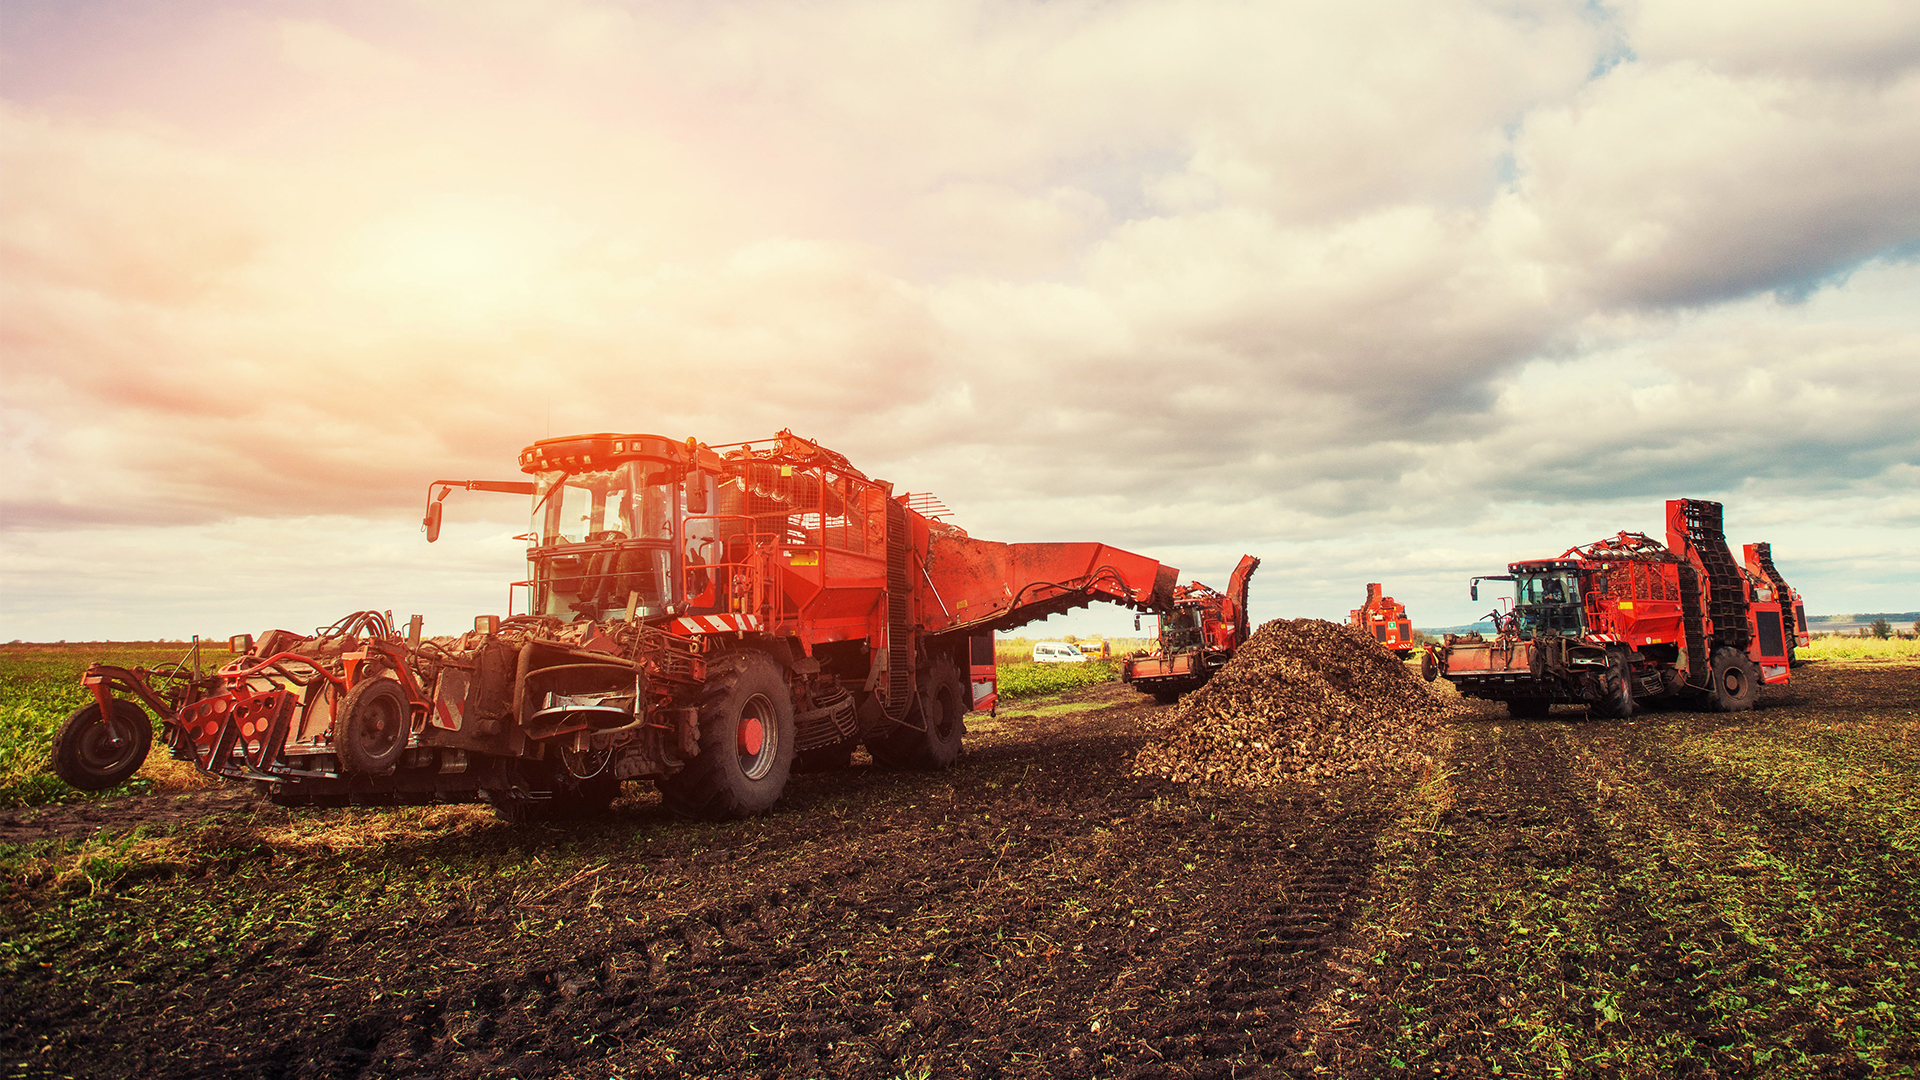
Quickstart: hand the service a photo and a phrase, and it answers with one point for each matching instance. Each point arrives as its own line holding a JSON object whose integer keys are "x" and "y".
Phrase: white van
{"x": 1057, "y": 652}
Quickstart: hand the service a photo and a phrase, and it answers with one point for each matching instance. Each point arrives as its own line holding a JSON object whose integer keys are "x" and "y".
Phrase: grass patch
{"x": 40, "y": 687}
{"x": 1842, "y": 647}
{"x": 1031, "y": 680}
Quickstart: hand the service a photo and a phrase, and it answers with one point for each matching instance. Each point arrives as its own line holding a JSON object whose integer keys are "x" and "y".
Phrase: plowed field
{"x": 1678, "y": 893}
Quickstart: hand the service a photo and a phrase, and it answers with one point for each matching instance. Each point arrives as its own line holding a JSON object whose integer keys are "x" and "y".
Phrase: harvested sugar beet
{"x": 1303, "y": 699}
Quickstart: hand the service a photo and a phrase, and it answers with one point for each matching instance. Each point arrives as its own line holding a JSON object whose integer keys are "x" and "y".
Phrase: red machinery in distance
{"x": 1762, "y": 574}
{"x": 711, "y": 618}
{"x": 1625, "y": 620}
{"x": 1383, "y": 618}
{"x": 1196, "y": 638}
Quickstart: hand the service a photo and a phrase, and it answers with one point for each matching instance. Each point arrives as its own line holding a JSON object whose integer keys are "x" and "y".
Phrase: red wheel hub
{"x": 752, "y": 735}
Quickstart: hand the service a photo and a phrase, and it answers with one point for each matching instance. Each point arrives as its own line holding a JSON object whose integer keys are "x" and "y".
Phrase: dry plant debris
{"x": 1303, "y": 699}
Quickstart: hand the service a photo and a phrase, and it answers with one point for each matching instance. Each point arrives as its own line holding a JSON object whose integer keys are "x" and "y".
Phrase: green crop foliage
{"x": 39, "y": 687}
{"x": 1839, "y": 647}
{"x": 1031, "y": 680}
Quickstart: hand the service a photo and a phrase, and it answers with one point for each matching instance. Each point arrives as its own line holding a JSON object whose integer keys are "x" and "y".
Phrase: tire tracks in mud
{"x": 1454, "y": 953}
{"x": 1776, "y": 896}
{"x": 973, "y": 957}
{"x": 1253, "y": 989}
{"x": 1585, "y": 895}
{"x": 1037, "y": 912}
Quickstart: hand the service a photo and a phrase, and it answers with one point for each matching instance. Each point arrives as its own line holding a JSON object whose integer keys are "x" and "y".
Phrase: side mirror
{"x": 1473, "y": 591}
{"x": 434, "y": 510}
{"x": 1136, "y": 622}
{"x": 696, "y": 494}
{"x": 240, "y": 643}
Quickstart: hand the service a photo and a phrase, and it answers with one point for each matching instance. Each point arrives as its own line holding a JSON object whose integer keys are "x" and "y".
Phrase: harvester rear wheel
{"x": 746, "y": 742}
{"x": 940, "y": 712}
{"x": 1736, "y": 682}
{"x": 371, "y": 731}
{"x": 94, "y": 754}
{"x": 1616, "y": 701}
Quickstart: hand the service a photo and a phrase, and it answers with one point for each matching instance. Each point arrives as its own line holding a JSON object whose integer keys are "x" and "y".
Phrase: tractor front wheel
{"x": 1736, "y": 682}
{"x": 94, "y": 753}
{"x": 746, "y": 742}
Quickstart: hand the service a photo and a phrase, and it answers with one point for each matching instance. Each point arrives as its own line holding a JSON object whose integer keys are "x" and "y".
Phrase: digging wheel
{"x": 931, "y": 735}
{"x": 746, "y": 742}
{"x": 1736, "y": 682}
{"x": 371, "y": 733}
{"x": 94, "y": 753}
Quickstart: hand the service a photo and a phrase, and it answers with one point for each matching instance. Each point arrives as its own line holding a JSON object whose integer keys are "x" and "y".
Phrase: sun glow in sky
{"x": 1385, "y": 291}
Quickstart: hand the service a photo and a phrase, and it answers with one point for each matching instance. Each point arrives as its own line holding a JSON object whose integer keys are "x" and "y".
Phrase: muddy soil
{"x": 1037, "y": 911}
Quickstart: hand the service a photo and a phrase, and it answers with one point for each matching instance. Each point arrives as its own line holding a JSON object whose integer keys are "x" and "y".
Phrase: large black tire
{"x": 931, "y": 737}
{"x": 1616, "y": 701}
{"x": 1529, "y": 708}
{"x": 746, "y": 742}
{"x": 94, "y": 754}
{"x": 370, "y": 731}
{"x": 1736, "y": 681}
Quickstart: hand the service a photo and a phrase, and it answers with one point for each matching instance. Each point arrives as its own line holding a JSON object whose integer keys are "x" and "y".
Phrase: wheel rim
{"x": 380, "y": 727}
{"x": 759, "y": 738}
{"x": 1734, "y": 682}
{"x": 945, "y": 713}
{"x": 106, "y": 745}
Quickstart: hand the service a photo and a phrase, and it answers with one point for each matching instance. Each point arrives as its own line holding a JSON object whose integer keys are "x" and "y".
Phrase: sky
{"x": 1377, "y": 291}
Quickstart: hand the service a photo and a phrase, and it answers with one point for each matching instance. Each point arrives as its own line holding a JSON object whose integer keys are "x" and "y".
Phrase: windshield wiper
{"x": 557, "y": 485}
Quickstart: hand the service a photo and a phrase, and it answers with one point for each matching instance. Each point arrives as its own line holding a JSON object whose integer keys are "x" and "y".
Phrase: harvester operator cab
{"x": 1180, "y": 630}
{"x": 1547, "y": 600}
{"x": 605, "y": 541}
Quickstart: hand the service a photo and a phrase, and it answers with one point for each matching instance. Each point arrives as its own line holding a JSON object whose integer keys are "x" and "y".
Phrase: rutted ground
{"x": 1679, "y": 892}
{"x": 1625, "y": 898}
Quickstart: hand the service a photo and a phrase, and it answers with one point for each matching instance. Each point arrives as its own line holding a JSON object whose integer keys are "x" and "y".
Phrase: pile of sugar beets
{"x": 1303, "y": 699}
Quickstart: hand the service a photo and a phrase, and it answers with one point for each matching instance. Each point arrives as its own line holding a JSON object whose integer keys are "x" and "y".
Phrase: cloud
{"x": 1189, "y": 277}
{"x": 1864, "y": 41}
{"x": 1676, "y": 185}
